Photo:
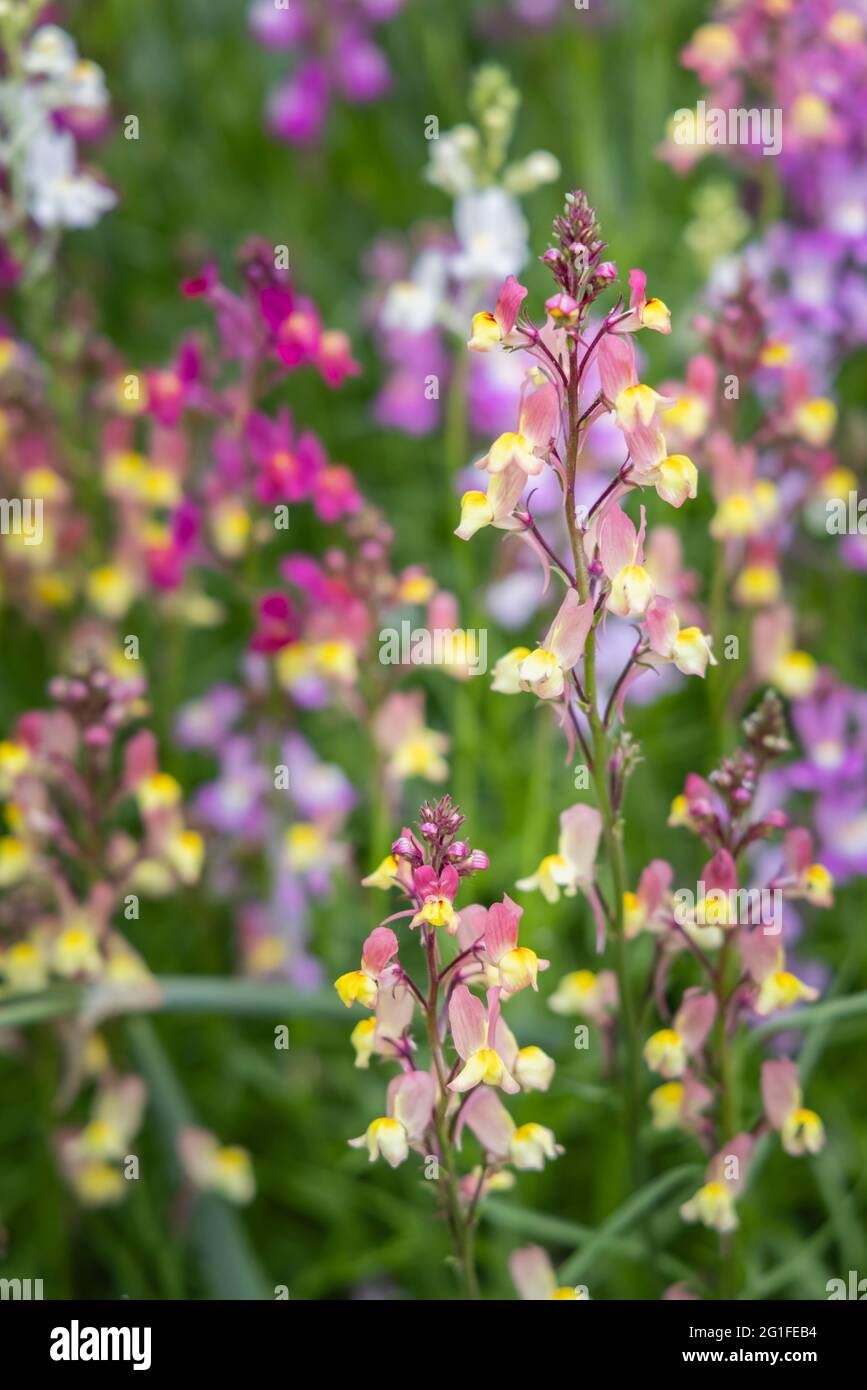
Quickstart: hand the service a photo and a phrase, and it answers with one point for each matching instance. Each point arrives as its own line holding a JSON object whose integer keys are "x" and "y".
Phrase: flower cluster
{"x": 423, "y": 297}
{"x": 473, "y": 1052}
{"x": 336, "y": 58}
{"x": 51, "y": 101}
{"x": 71, "y": 858}
{"x": 736, "y": 929}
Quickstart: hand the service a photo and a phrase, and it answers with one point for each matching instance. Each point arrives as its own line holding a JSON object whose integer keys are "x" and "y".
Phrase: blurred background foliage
{"x": 201, "y": 179}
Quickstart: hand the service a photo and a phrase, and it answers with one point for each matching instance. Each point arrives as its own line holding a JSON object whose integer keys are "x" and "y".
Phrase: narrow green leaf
{"x": 641, "y": 1203}
{"x": 831, "y": 1011}
{"x": 227, "y": 1260}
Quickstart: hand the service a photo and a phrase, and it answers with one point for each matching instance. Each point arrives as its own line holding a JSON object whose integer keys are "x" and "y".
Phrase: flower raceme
{"x": 473, "y": 1052}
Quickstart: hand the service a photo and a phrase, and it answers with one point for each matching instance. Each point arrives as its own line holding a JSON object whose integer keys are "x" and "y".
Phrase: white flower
{"x": 50, "y": 52}
{"x": 83, "y": 87}
{"x": 413, "y": 305}
{"x": 59, "y": 196}
{"x": 451, "y": 166}
{"x": 492, "y": 236}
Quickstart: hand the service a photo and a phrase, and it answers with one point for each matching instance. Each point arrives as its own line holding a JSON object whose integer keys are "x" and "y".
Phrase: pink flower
{"x": 621, "y": 551}
{"x": 534, "y": 1277}
{"x": 644, "y": 312}
{"x": 545, "y": 670}
{"x": 489, "y": 330}
{"x": 713, "y": 1204}
{"x": 409, "y": 1107}
{"x": 518, "y": 966}
{"x": 528, "y": 448}
{"x": 474, "y": 1030}
{"x": 802, "y": 1131}
{"x": 437, "y": 894}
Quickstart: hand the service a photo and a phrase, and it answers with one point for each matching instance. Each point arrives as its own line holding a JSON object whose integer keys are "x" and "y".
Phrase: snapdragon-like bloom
{"x": 527, "y": 447}
{"x": 544, "y": 672}
{"x": 621, "y": 552}
{"x": 668, "y": 1051}
{"x": 713, "y": 1205}
{"x": 410, "y": 1103}
{"x": 534, "y": 1277}
{"x": 801, "y": 1130}
{"x": 573, "y": 867}
{"x": 688, "y": 648}
{"x": 363, "y": 985}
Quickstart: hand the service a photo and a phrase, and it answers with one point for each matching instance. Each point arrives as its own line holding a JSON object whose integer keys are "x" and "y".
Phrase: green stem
{"x": 462, "y": 1228}
{"x": 612, "y": 829}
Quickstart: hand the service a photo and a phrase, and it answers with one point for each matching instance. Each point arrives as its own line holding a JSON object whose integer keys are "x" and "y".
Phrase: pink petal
{"x": 539, "y": 416}
{"x": 599, "y": 917}
{"x": 662, "y": 625}
{"x": 638, "y": 289}
{"x": 780, "y": 1090}
{"x": 568, "y": 632}
{"x": 449, "y": 882}
{"x": 468, "y": 1022}
{"x": 654, "y": 883}
{"x": 761, "y": 954}
{"x": 472, "y": 925}
{"x": 501, "y": 934}
{"x": 617, "y": 537}
{"x": 740, "y": 1147}
{"x": 695, "y": 1017}
{"x": 378, "y": 950}
{"x": 798, "y": 850}
{"x": 487, "y": 1118}
{"x": 509, "y": 301}
{"x": 411, "y": 1099}
{"x": 720, "y": 873}
{"x": 532, "y": 1273}
{"x": 580, "y": 829}
{"x": 615, "y": 358}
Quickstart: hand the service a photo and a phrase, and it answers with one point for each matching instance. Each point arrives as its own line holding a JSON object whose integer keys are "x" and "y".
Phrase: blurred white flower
{"x": 57, "y": 194}
{"x": 492, "y": 236}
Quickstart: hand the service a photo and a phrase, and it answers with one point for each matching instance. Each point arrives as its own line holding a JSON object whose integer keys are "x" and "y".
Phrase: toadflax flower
{"x": 714, "y": 1203}
{"x": 526, "y": 1146}
{"x": 534, "y": 1277}
{"x": 410, "y": 1103}
{"x": 669, "y": 1050}
{"x": 801, "y": 1130}
{"x": 474, "y": 1029}
{"x": 573, "y": 866}
{"x": 544, "y": 671}
{"x": 362, "y": 985}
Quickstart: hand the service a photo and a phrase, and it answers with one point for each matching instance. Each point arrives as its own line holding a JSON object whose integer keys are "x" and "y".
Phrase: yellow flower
{"x": 357, "y": 985}
{"x": 75, "y": 952}
{"x": 383, "y": 875}
{"x": 15, "y": 860}
{"x": 24, "y": 967}
{"x": 97, "y": 1184}
{"x": 803, "y": 1132}
{"x": 363, "y": 1039}
{"x": 14, "y": 759}
{"x": 713, "y": 1206}
{"x": 305, "y": 846}
{"x": 186, "y": 852}
{"x": 781, "y": 990}
{"x": 110, "y": 590}
{"x": 232, "y": 1174}
{"x": 795, "y": 674}
{"x": 665, "y": 1052}
{"x": 665, "y": 1105}
{"x": 158, "y": 792}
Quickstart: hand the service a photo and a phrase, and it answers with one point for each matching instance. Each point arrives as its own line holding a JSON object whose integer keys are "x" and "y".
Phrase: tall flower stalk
{"x": 472, "y": 1052}
{"x": 583, "y": 367}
